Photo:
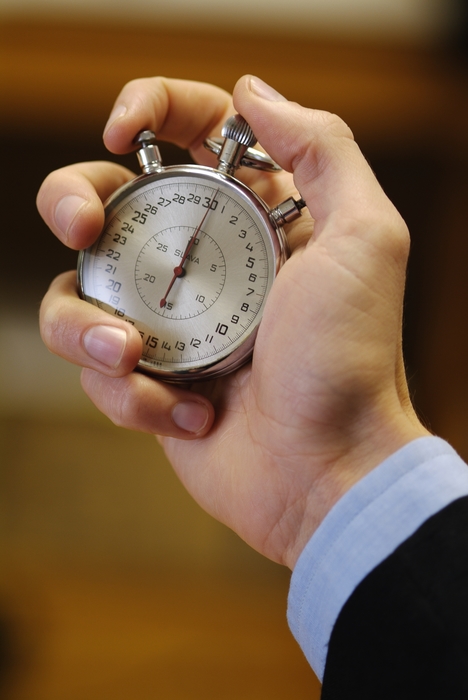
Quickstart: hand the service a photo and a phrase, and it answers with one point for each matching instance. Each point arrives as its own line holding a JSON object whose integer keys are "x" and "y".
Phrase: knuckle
{"x": 332, "y": 125}
{"x": 110, "y": 395}
{"x": 57, "y": 328}
{"x": 50, "y": 325}
{"x": 141, "y": 88}
{"x": 398, "y": 239}
{"x": 134, "y": 85}
{"x": 123, "y": 404}
{"x": 327, "y": 135}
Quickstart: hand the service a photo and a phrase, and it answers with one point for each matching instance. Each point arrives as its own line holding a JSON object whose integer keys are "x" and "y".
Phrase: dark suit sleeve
{"x": 403, "y": 633}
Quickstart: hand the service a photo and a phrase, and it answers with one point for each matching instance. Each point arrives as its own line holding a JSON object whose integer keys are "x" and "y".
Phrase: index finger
{"x": 184, "y": 112}
{"x": 181, "y": 111}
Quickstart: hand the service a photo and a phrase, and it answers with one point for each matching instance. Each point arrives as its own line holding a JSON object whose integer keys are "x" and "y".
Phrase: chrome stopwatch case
{"x": 188, "y": 255}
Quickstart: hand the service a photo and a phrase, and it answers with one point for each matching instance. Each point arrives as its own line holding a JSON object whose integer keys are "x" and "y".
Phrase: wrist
{"x": 346, "y": 467}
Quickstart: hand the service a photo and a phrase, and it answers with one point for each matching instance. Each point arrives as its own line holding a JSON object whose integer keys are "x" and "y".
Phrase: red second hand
{"x": 179, "y": 270}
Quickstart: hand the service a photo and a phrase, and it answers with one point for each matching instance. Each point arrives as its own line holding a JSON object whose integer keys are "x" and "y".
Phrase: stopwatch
{"x": 188, "y": 255}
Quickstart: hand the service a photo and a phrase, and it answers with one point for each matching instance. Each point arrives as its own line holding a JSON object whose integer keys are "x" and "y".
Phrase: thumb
{"x": 329, "y": 170}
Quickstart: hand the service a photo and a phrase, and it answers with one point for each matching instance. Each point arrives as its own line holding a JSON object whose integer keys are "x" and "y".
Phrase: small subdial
{"x": 199, "y": 283}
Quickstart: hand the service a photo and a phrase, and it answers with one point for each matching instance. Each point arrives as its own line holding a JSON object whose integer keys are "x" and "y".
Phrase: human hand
{"x": 270, "y": 448}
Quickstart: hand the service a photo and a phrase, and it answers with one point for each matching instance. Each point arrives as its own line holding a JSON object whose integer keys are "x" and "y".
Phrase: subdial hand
{"x": 179, "y": 271}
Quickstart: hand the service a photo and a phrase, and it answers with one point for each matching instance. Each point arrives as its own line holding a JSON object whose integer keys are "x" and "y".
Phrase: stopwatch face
{"x": 188, "y": 257}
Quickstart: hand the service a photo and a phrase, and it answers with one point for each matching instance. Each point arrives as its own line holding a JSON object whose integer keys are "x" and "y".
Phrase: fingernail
{"x": 190, "y": 416}
{"x": 105, "y": 344}
{"x": 117, "y": 112}
{"x": 66, "y": 210}
{"x": 262, "y": 89}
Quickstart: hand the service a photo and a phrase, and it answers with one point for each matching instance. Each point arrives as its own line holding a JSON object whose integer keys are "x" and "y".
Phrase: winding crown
{"x": 237, "y": 129}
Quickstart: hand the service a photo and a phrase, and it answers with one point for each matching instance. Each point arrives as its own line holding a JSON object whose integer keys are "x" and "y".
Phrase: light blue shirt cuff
{"x": 366, "y": 525}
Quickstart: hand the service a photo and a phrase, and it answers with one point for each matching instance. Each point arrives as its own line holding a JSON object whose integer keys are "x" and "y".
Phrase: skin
{"x": 269, "y": 449}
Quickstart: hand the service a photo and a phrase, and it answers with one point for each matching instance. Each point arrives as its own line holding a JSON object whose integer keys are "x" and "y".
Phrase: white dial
{"x": 188, "y": 256}
{"x": 204, "y": 272}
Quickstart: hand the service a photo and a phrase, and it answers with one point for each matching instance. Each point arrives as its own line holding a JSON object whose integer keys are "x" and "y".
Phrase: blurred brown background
{"x": 113, "y": 583}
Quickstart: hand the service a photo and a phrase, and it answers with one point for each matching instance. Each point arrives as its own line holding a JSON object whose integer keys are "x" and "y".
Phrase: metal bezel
{"x": 243, "y": 352}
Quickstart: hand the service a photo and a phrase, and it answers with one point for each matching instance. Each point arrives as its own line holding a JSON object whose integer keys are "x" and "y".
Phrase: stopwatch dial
{"x": 204, "y": 269}
{"x": 189, "y": 261}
